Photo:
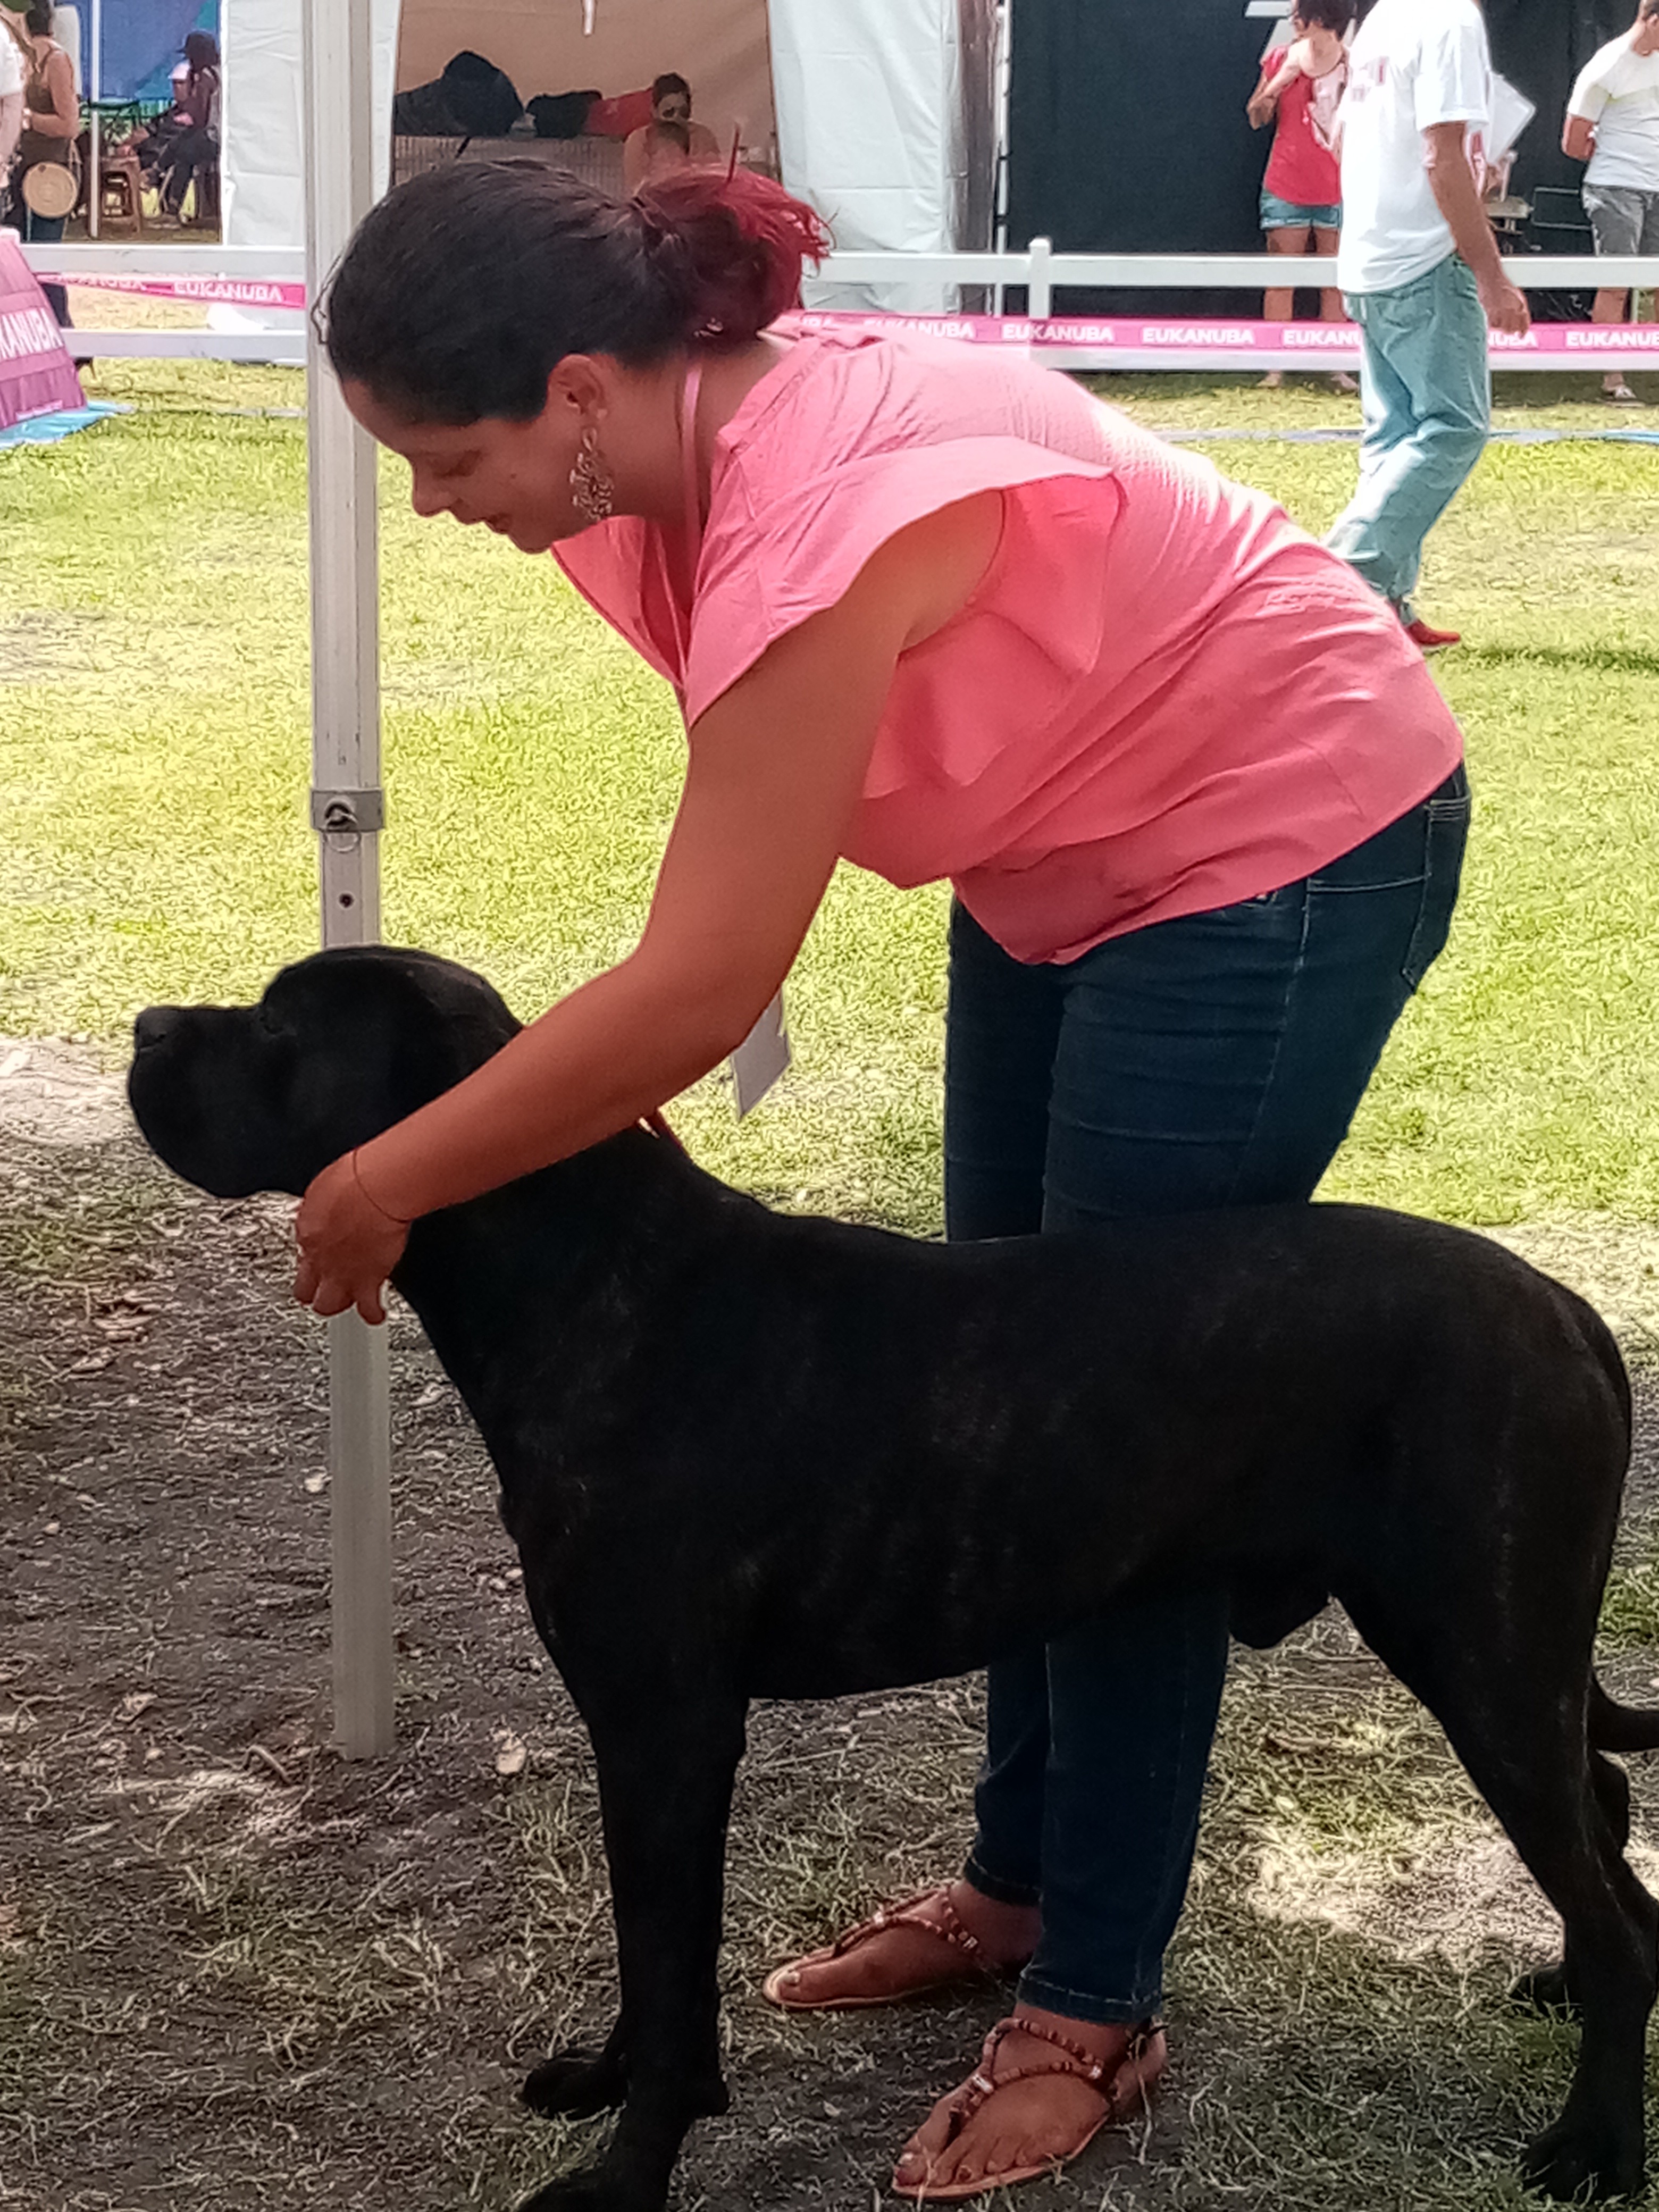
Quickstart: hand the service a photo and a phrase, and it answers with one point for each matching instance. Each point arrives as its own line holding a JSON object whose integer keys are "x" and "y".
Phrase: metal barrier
{"x": 264, "y": 278}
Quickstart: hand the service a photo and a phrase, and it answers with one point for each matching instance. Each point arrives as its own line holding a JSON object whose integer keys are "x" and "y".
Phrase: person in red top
{"x": 1300, "y": 91}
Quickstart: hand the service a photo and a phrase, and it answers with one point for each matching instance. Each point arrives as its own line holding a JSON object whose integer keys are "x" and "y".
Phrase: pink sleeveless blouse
{"x": 1163, "y": 696}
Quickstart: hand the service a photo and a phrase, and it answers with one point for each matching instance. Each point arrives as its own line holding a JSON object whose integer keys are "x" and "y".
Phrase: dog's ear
{"x": 343, "y": 1044}
{"x": 378, "y": 1031}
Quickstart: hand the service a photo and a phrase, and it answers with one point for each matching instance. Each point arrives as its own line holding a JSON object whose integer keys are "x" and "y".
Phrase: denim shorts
{"x": 1285, "y": 215}
{"x": 1623, "y": 219}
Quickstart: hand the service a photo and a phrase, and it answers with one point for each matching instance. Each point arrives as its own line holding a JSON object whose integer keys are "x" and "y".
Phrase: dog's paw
{"x": 1580, "y": 2160}
{"x": 574, "y": 2085}
{"x": 1544, "y": 1990}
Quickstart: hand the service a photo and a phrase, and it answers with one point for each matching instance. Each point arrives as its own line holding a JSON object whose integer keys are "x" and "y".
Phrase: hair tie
{"x": 657, "y": 228}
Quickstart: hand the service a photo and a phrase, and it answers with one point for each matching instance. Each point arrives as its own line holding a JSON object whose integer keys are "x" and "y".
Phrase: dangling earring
{"x": 592, "y": 488}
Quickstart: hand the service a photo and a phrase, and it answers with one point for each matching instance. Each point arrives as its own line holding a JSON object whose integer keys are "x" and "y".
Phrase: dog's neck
{"x": 552, "y": 1242}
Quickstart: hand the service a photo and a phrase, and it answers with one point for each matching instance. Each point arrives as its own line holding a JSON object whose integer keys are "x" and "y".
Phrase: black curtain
{"x": 1127, "y": 129}
{"x": 1127, "y": 135}
{"x": 1541, "y": 45}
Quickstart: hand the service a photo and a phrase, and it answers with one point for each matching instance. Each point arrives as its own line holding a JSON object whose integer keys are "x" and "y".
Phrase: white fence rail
{"x": 1066, "y": 341}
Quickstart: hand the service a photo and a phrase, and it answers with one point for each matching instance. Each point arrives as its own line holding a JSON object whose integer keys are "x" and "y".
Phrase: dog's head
{"x": 238, "y": 1099}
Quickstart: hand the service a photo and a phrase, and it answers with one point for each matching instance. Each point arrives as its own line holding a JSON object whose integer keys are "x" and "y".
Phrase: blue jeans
{"x": 1215, "y": 1059}
{"x": 1425, "y": 399}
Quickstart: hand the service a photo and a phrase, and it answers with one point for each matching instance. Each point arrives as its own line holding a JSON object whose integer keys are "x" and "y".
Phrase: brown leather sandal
{"x": 940, "y": 1919}
{"x": 1124, "y": 2084}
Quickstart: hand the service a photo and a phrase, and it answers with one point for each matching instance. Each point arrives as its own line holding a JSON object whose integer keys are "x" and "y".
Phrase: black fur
{"x": 746, "y": 1455}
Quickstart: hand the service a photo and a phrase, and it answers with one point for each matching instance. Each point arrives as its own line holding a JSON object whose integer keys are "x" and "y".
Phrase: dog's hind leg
{"x": 1512, "y": 1703}
{"x": 1546, "y": 1987}
{"x": 666, "y": 1764}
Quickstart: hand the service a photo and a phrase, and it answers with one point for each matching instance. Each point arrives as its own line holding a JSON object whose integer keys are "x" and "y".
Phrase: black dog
{"x": 747, "y": 1456}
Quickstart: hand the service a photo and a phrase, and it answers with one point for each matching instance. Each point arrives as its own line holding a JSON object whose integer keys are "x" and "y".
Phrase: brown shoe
{"x": 1122, "y": 2084}
{"x": 961, "y": 1958}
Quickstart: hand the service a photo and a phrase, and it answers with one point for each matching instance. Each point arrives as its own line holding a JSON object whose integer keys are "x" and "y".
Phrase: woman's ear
{"x": 579, "y": 388}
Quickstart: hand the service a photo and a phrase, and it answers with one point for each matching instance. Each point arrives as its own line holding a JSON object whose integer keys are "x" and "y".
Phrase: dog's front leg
{"x": 665, "y": 1765}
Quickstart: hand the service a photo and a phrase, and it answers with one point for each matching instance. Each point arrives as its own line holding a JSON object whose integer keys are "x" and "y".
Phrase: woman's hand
{"x": 348, "y": 1245}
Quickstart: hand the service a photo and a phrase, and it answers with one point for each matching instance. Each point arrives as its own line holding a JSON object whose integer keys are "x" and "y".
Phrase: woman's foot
{"x": 1341, "y": 381}
{"x": 1044, "y": 2087}
{"x": 952, "y": 1934}
{"x": 1619, "y": 392}
{"x": 1273, "y": 381}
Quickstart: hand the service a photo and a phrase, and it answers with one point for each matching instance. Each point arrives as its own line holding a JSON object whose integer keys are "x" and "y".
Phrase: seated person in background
{"x": 153, "y": 142}
{"x": 657, "y": 145}
{"x": 195, "y": 150}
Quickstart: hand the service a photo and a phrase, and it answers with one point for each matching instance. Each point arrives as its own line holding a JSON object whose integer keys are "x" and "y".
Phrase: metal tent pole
{"x": 347, "y": 812}
{"x": 96, "y": 83}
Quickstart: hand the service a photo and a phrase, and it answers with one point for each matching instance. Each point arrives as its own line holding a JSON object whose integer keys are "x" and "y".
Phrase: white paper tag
{"x": 761, "y": 1059}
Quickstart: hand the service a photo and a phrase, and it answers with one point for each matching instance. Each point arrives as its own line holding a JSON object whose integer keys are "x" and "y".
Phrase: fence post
{"x": 1040, "y": 292}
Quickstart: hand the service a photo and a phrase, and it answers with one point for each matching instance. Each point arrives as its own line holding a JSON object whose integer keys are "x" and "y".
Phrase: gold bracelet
{"x": 358, "y": 1177}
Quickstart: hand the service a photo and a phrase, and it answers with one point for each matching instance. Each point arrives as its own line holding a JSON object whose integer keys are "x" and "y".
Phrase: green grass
{"x": 154, "y": 758}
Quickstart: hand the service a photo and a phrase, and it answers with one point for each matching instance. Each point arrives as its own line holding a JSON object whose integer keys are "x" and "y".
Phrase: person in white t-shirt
{"x": 1421, "y": 275}
{"x": 1613, "y": 123}
{"x": 12, "y": 73}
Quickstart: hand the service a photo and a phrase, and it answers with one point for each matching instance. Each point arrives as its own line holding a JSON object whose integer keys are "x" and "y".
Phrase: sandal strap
{"x": 1070, "y": 2058}
{"x": 940, "y": 1918}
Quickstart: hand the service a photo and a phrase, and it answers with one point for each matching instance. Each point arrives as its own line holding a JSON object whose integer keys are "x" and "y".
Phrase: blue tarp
{"x": 48, "y": 429}
{"x": 144, "y": 40}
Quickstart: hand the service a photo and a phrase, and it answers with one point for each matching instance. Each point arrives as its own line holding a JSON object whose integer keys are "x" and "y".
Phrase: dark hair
{"x": 38, "y": 18}
{"x": 1335, "y": 15}
{"x": 465, "y": 288}
{"x": 201, "y": 52}
{"x": 669, "y": 80}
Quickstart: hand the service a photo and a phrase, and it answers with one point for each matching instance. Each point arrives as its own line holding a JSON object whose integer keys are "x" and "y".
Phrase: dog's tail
{"x": 1613, "y": 1727}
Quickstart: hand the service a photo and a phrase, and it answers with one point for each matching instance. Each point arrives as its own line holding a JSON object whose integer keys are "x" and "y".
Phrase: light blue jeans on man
{"x": 1425, "y": 398}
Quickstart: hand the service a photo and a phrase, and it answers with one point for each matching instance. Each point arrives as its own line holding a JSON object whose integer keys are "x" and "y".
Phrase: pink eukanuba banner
{"x": 37, "y": 376}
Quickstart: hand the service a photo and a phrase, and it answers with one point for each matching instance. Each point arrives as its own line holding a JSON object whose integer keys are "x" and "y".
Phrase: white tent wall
{"x": 886, "y": 124}
{"x": 262, "y": 163}
{"x": 884, "y": 108}
{"x": 719, "y": 46}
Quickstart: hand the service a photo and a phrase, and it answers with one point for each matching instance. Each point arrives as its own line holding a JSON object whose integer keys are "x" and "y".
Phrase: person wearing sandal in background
{"x": 942, "y": 614}
{"x": 1301, "y": 88}
{"x": 1423, "y": 278}
{"x": 1613, "y": 123}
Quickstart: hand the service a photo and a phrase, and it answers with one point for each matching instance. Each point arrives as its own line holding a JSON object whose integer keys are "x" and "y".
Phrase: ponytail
{"x": 465, "y": 288}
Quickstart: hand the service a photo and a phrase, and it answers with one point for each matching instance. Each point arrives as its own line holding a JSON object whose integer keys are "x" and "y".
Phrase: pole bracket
{"x": 348, "y": 813}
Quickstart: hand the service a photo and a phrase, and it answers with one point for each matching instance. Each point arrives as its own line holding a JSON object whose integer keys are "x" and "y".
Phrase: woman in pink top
{"x": 938, "y": 613}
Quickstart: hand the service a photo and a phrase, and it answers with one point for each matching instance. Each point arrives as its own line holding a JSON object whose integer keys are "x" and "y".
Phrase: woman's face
{"x": 513, "y": 477}
{"x": 673, "y": 107}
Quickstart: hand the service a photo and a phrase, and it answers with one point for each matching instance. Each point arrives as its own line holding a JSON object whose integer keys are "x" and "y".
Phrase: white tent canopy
{"x": 882, "y": 111}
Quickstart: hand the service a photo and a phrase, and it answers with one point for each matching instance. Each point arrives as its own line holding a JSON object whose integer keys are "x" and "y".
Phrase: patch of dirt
{"x": 35, "y": 644}
{"x": 236, "y": 1970}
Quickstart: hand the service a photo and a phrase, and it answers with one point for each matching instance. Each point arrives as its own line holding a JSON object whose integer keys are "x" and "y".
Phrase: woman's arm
{"x": 63, "y": 118}
{"x": 11, "y": 128}
{"x": 1266, "y": 98}
{"x": 776, "y": 767}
